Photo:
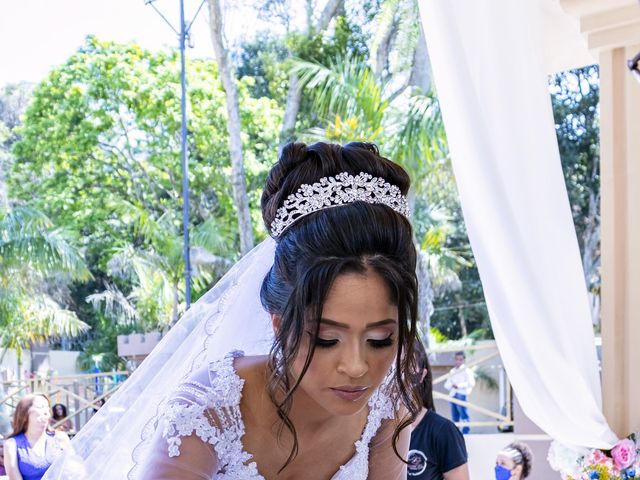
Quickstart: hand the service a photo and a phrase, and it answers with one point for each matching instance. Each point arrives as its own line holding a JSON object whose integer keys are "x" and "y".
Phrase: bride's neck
{"x": 308, "y": 416}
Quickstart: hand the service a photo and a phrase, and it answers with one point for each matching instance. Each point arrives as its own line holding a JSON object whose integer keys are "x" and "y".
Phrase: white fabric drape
{"x": 487, "y": 66}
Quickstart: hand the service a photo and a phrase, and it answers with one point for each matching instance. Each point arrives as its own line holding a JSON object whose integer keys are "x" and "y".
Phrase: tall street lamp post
{"x": 183, "y": 34}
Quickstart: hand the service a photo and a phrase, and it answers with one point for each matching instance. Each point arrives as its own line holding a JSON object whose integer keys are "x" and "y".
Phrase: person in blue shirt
{"x": 32, "y": 446}
{"x": 437, "y": 450}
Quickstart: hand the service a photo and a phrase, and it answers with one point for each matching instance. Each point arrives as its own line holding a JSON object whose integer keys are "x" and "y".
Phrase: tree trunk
{"x": 461, "y": 318}
{"x": 327, "y": 14}
{"x": 294, "y": 95}
{"x": 591, "y": 254}
{"x": 233, "y": 126}
{"x": 420, "y": 72}
{"x": 381, "y": 44}
{"x": 425, "y": 295}
{"x": 174, "y": 311}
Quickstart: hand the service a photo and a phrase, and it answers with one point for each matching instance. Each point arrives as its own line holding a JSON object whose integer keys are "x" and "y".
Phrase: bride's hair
{"x": 316, "y": 249}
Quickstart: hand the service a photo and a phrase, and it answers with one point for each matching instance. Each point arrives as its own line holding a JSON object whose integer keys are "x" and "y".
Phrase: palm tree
{"x": 156, "y": 271}
{"x": 33, "y": 255}
{"x": 353, "y": 103}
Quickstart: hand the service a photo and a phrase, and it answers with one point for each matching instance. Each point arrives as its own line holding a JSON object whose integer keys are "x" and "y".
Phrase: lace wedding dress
{"x": 208, "y": 407}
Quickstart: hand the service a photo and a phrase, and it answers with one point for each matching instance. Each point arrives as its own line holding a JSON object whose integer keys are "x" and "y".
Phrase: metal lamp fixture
{"x": 634, "y": 66}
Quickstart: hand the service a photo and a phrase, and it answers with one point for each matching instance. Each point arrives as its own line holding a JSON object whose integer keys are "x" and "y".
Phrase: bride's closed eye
{"x": 385, "y": 342}
{"x": 325, "y": 343}
{"x": 375, "y": 343}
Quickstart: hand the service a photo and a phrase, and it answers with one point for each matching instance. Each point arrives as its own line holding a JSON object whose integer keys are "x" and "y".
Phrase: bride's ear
{"x": 276, "y": 322}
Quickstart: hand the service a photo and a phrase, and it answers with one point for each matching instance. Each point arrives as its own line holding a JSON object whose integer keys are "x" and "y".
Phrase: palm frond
{"x": 55, "y": 320}
{"x": 210, "y": 236}
{"x": 417, "y": 136}
{"x": 33, "y": 319}
{"x": 28, "y": 237}
{"x": 114, "y": 304}
{"x": 347, "y": 87}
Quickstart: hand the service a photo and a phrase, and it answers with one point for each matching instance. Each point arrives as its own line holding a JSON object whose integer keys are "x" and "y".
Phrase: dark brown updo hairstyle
{"x": 316, "y": 249}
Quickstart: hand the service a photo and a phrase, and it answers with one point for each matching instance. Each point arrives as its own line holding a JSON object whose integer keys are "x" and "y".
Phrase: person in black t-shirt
{"x": 437, "y": 448}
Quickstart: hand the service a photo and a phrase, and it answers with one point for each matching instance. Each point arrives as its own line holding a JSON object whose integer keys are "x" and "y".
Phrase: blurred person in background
{"x": 437, "y": 449}
{"x": 60, "y": 412}
{"x": 460, "y": 382}
{"x": 2, "y": 470}
{"x": 32, "y": 446}
{"x": 514, "y": 462}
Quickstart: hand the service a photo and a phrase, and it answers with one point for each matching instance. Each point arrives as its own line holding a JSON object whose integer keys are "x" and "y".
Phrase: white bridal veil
{"x": 228, "y": 317}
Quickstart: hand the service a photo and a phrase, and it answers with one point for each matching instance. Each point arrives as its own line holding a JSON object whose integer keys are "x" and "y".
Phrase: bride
{"x": 297, "y": 363}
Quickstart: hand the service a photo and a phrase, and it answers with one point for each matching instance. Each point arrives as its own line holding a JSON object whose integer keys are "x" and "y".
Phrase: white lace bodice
{"x": 210, "y": 409}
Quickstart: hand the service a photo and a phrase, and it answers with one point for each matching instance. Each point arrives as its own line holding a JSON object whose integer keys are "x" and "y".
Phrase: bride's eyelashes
{"x": 385, "y": 342}
{"x": 328, "y": 343}
{"x": 322, "y": 343}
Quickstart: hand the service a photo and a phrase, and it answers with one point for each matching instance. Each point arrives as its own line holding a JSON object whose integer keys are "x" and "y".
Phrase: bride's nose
{"x": 353, "y": 362}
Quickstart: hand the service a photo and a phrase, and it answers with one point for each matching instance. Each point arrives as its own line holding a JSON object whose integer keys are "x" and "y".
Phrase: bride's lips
{"x": 350, "y": 393}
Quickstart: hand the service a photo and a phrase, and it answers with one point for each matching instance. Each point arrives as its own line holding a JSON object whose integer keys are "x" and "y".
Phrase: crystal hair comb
{"x": 331, "y": 192}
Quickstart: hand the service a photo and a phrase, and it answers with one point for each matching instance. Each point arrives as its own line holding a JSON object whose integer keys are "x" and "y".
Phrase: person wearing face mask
{"x": 514, "y": 462}
{"x": 32, "y": 446}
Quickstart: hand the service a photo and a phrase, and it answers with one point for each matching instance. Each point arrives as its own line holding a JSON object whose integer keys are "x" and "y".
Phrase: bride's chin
{"x": 343, "y": 407}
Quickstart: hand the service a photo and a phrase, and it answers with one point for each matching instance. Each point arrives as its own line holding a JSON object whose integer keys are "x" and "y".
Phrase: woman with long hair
{"x": 438, "y": 449}
{"x": 59, "y": 411}
{"x": 32, "y": 446}
{"x": 324, "y": 313}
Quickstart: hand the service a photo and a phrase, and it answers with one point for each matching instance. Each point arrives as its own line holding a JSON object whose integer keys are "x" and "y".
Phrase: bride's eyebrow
{"x": 333, "y": 323}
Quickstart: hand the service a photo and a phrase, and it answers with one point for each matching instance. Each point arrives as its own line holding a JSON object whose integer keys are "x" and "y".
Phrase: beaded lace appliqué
{"x": 213, "y": 414}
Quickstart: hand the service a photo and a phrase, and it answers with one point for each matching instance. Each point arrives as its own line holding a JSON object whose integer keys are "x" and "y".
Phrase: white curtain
{"x": 487, "y": 65}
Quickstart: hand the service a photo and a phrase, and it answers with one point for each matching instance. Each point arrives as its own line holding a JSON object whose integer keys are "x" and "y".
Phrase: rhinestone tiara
{"x": 331, "y": 192}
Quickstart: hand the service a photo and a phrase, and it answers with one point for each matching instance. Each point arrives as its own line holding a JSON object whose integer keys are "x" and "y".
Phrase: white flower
{"x": 565, "y": 458}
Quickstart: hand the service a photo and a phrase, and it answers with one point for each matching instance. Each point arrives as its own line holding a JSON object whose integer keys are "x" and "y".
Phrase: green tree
{"x": 102, "y": 132}
{"x": 99, "y": 152}
{"x": 156, "y": 272}
{"x": 13, "y": 101}
{"x": 575, "y": 97}
{"x": 35, "y": 257}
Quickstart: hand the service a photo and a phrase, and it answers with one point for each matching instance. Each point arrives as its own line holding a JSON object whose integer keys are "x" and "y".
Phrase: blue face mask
{"x": 502, "y": 473}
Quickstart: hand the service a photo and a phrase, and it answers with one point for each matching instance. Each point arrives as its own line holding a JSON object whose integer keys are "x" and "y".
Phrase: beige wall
{"x": 61, "y": 363}
{"x": 9, "y": 364}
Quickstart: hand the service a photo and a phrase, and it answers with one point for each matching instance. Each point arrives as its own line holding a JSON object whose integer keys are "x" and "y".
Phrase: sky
{"x": 36, "y": 35}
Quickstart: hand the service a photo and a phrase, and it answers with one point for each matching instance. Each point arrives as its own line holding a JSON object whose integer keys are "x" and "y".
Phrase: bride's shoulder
{"x": 251, "y": 367}
{"x": 221, "y": 381}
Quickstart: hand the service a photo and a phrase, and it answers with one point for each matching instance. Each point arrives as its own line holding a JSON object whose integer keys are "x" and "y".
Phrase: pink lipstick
{"x": 349, "y": 393}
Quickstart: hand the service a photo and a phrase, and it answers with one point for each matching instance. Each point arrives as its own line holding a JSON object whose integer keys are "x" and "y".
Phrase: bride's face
{"x": 356, "y": 344}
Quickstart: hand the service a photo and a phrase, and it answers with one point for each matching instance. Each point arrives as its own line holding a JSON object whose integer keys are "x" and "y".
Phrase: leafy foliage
{"x": 102, "y": 133}
{"x": 575, "y": 98}
{"x": 357, "y": 104}
{"x": 100, "y": 145}
{"x": 32, "y": 254}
